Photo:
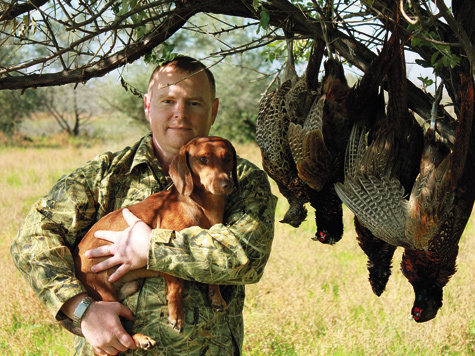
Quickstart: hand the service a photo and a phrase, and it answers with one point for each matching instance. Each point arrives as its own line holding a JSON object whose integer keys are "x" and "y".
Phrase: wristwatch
{"x": 81, "y": 310}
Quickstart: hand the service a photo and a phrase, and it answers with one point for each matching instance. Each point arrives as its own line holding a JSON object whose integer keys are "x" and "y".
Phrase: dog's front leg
{"x": 176, "y": 316}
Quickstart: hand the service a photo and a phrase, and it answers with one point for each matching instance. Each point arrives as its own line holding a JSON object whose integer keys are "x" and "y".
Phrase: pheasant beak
{"x": 416, "y": 313}
{"x": 322, "y": 237}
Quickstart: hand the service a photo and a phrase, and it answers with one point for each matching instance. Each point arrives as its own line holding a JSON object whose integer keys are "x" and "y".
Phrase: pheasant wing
{"x": 308, "y": 148}
{"x": 271, "y": 136}
{"x": 369, "y": 192}
{"x": 432, "y": 198}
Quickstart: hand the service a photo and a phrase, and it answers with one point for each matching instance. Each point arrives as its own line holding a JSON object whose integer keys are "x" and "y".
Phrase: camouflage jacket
{"x": 231, "y": 254}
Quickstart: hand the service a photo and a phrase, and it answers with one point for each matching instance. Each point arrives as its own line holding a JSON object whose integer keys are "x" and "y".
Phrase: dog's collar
{"x": 168, "y": 186}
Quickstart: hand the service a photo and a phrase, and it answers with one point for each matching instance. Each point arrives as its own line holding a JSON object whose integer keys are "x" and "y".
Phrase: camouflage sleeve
{"x": 235, "y": 252}
{"x": 53, "y": 227}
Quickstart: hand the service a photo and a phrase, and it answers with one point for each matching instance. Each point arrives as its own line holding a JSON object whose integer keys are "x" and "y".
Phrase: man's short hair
{"x": 188, "y": 65}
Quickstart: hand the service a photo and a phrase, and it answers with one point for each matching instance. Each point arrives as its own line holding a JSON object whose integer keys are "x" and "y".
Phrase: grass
{"x": 313, "y": 299}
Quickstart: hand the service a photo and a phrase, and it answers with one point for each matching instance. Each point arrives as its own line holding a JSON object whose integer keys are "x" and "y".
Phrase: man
{"x": 180, "y": 104}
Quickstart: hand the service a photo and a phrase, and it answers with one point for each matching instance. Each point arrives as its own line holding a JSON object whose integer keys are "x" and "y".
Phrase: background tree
{"x": 71, "y": 108}
{"x": 15, "y": 107}
{"x": 121, "y": 95}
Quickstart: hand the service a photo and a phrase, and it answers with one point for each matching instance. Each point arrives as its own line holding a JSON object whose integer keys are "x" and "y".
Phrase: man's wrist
{"x": 81, "y": 309}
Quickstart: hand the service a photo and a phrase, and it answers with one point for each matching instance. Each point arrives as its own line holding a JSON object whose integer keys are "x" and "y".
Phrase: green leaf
{"x": 116, "y": 8}
{"x": 446, "y": 61}
{"x": 150, "y": 58}
{"x": 455, "y": 60}
{"x": 433, "y": 35}
{"x": 418, "y": 42}
{"x": 423, "y": 63}
{"x": 433, "y": 59}
{"x": 167, "y": 51}
{"x": 125, "y": 7}
{"x": 265, "y": 18}
{"x": 140, "y": 31}
{"x": 426, "y": 81}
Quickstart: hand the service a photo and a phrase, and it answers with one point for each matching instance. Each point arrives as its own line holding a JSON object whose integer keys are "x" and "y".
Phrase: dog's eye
{"x": 204, "y": 160}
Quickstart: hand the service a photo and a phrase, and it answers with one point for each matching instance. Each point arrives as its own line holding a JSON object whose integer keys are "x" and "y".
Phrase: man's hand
{"x": 102, "y": 328}
{"x": 129, "y": 248}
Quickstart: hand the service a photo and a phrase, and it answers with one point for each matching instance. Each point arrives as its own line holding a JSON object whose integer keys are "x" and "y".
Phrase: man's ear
{"x": 214, "y": 110}
{"x": 146, "y": 106}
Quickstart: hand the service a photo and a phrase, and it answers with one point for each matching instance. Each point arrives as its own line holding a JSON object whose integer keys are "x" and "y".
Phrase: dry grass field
{"x": 313, "y": 299}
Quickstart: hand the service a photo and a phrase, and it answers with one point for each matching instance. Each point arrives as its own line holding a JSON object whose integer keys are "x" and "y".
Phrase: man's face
{"x": 179, "y": 109}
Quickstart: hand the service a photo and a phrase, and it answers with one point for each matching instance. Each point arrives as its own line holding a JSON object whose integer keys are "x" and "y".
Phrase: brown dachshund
{"x": 201, "y": 175}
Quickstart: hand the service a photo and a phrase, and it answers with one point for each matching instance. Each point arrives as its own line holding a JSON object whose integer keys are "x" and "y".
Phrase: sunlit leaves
{"x": 166, "y": 55}
{"x": 265, "y": 18}
{"x": 426, "y": 82}
{"x": 273, "y": 51}
{"x": 442, "y": 56}
{"x": 28, "y": 25}
{"x": 263, "y": 15}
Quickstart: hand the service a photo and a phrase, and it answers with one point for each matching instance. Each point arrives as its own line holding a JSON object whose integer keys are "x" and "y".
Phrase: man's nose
{"x": 181, "y": 110}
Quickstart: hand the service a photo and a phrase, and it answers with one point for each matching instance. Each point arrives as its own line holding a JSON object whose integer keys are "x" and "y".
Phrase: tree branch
{"x": 104, "y": 65}
{"x": 16, "y": 10}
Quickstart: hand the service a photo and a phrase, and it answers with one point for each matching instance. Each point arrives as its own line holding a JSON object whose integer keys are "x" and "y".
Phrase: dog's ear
{"x": 234, "y": 172}
{"x": 180, "y": 172}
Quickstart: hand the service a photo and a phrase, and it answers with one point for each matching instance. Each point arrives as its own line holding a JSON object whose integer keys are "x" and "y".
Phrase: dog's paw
{"x": 216, "y": 299}
{"x": 144, "y": 342}
{"x": 219, "y": 307}
{"x": 177, "y": 323}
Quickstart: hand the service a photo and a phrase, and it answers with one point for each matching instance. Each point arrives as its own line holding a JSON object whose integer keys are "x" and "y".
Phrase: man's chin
{"x": 181, "y": 138}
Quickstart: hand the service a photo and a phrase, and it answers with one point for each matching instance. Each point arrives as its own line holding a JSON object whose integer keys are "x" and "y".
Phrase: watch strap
{"x": 81, "y": 310}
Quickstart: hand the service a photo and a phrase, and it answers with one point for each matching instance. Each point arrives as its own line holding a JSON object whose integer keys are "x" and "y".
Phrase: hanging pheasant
{"x": 315, "y": 167}
{"x": 429, "y": 224}
{"x": 342, "y": 107}
{"x": 439, "y": 208}
{"x": 276, "y": 112}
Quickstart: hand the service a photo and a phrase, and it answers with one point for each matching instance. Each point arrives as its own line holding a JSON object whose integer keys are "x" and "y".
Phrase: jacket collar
{"x": 144, "y": 154}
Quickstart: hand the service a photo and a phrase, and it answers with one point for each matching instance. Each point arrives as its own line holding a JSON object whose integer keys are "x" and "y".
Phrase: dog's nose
{"x": 226, "y": 185}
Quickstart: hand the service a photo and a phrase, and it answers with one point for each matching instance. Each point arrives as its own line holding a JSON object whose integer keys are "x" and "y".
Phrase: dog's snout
{"x": 226, "y": 185}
